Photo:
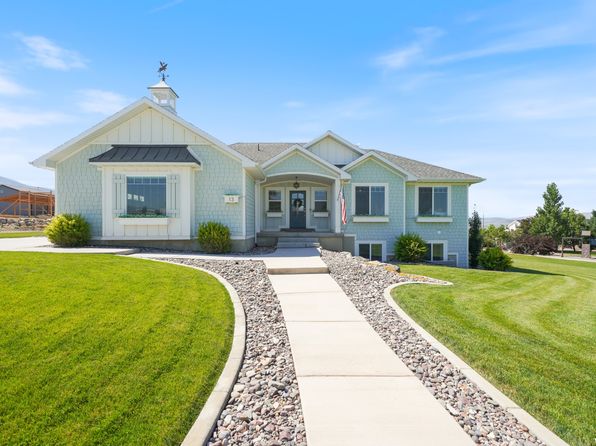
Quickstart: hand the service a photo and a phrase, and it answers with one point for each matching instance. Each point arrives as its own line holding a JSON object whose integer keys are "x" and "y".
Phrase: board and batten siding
{"x": 371, "y": 171}
{"x": 78, "y": 186}
{"x": 454, "y": 233}
{"x": 333, "y": 151}
{"x": 150, "y": 127}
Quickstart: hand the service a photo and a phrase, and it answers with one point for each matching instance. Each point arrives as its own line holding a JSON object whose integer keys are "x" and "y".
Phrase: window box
{"x": 430, "y": 219}
{"x": 145, "y": 221}
{"x": 320, "y": 214}
{"x": 274, "y": 214}
{"x": 370, "y": 219}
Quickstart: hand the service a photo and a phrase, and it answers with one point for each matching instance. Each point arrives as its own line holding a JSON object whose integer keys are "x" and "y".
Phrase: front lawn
{"x": 98, "y": 349}
{"x": 22, "y": 234}
{"x": 531, "y": 332}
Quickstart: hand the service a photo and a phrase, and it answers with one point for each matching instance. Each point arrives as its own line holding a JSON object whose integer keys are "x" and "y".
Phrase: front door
{"x": 297, "y": 209}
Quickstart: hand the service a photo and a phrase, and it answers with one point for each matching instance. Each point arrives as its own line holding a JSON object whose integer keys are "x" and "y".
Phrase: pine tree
{"x": 549, "y": 217}
{"x": 474, "y": 239}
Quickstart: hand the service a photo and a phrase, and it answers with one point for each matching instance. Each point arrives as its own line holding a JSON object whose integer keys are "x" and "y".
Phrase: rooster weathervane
{"x": 162, "y": 70}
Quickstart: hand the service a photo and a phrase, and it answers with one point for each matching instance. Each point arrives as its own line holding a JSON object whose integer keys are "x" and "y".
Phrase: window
{"x": 435, "y": 252}
{"x": 370, "y": 200}
{"x": 432, "y": 201}
{"x": 320, "y": 201}
{"x": 274, "y": 197}
{"x": 146, "y": 196}
{"x": 371, "y": 251}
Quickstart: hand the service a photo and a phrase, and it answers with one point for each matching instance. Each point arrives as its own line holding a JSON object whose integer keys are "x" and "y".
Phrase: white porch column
{"x": 337, "y": 206}
{"x": 258, "y": 210}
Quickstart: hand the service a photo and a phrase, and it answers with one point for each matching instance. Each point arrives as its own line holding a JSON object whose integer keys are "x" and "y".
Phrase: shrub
{"x": 533, "y": 244}
{"x": 410, "y": 248}
{"x": 214, "y": 237}
{"x": 494, "y": 259}
{"x": 68, "y": 230}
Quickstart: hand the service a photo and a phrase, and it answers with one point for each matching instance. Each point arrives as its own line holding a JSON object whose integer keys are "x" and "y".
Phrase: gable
{"x": 298, "y": 163}
{"x": 333, "y": 151}
{"x": 150, "y": 127}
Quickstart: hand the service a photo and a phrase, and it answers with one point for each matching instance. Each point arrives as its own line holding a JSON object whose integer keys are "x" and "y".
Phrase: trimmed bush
{"x": 410, "y": 248}
{"x": 214, "y": 237}
{"x": 68, "y": 230}
{"x": 534, "y": 244}
{"x": 494, "y": 259}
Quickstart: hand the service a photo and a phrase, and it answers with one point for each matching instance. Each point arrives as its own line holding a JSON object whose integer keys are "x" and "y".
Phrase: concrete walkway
{"x": 41, "y": 244}
{"x": 354, "y": 389}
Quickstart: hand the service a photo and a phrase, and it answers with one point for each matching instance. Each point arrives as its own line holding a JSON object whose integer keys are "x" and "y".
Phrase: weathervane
{"x": 162, "y": 70}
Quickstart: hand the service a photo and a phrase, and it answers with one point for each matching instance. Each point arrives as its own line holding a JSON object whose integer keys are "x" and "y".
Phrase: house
{"x": 146, "y": 177}
{"x": 513, "y": 225}
{"x": 20, "y": 200}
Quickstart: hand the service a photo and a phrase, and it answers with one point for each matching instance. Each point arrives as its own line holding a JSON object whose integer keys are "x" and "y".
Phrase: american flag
{"x": 342, "y": 203}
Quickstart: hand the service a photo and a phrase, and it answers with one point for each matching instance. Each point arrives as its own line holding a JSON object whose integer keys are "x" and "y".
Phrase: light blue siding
{"x": 298, "y": 163}
{"x": 455, "y": 233}
{"x": 371, "y": 171}
{"x": 220, "y": 175}
{"x": 249, "y": 195}
{"x": 78, "y": 186}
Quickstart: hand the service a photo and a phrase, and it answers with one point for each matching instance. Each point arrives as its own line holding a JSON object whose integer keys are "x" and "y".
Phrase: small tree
{"x": 495, "y": 236}
{"x": 474, "y": 239}
{"x": 549, "y": 217}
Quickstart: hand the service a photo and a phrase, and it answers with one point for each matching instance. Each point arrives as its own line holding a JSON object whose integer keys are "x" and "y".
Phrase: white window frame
{"x": 433, "y": 186}
{"x": 313, "y": 192}
{"x": 369, "y": 218}
{"x": 167, "y": 187}
{"x": 383, "y": 244}
{"x": 281, "y": 200}
{"x": 445, "y": 250}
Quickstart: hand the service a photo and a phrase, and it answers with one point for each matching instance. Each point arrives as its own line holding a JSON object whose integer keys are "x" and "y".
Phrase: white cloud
{"x": 405, "y": 56}
{"x": 293, "y": 104}
{"x": 8, "y": 87}
{"x": 101, "y": 101}
{"x": 50, "y": 55}
{"x": 17, "y": 119}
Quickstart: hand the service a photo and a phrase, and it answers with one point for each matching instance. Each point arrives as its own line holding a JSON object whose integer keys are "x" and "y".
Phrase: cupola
{"x": 162, "y": 93}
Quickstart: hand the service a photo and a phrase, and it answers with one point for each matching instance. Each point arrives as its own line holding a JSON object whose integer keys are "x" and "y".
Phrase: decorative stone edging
{"x": 541, "y": 431}
{"x": 201, "y": 430}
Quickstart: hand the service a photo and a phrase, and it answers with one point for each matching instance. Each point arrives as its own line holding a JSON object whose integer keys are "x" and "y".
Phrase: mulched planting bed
{"x": 264, "y": 408}
{"x": 479, "y": 415}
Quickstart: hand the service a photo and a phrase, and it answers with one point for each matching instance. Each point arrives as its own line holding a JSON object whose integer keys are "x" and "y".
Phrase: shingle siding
{"x": 298, "y": 163}
{"x": 78, "y": 186}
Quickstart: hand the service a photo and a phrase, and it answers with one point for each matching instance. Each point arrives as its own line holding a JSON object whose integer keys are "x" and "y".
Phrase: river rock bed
{"x": 264, "y": 407}
{"x": 478, "y": 414}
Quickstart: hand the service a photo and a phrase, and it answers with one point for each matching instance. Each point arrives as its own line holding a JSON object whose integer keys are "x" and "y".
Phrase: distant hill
{"x": 23, "y": 187}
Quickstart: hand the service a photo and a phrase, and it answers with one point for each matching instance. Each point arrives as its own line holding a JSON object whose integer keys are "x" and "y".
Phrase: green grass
{"x": 22, "y": 234}
{"x": 530, "y": 331}
{"x": 98, "y": 349}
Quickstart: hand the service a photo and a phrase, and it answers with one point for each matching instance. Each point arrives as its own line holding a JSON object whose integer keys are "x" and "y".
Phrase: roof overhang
{"x": 375, "y": 156}
{"x": 341, "y": 174}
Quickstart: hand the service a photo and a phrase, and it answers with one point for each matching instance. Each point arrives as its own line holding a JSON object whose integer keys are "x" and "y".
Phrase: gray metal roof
{"x": 146, "y": 154}
{"x": 13, "y": 184}
{"x": 264, "y": 151}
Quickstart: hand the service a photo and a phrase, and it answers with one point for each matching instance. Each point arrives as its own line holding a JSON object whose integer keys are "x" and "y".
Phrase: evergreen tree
{"x": 591, "y": 222}
{"x": 549, "y": 217}
{"x": 474, "y": 239}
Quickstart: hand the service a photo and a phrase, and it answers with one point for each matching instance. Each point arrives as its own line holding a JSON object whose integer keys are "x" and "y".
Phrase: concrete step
{"x": 298, "y": 244}
{"x": 298, "y": 239}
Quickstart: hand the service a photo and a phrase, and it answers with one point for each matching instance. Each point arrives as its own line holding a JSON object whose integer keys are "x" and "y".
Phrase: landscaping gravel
{"x": 478, "y": 414}
{"x": 264, "y": 408}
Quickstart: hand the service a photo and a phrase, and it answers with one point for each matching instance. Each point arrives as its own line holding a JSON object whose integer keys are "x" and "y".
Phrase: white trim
{"x": 309, "y": 155}
{"x": 274, "y": 214}
{"x": 314, "y": 190}
{"x": 445, "y": 249}
{"x": 258, "y": 209}
{"x": 194, "y": 166}
{"x": 87, "y": 137}
{"x": 432, "y": 217}
{"x": 338, "y": 138}
{"x": 320, "y": 214}
{"x": 353, "y": 198}
{"x": 148, "y": 221}
{"x": 281, "y": 214}
{"x": 243, "y": 197}
{"x": 408, "y": 176}
{"x": 370, "y": 219}
{"x": 383, "y": 244}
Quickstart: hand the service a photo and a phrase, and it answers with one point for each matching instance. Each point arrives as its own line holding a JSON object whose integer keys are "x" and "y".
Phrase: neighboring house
{"x": 513, "y": 225}
{"x": 19, "y": 200}
{"x": 145, "y": 176}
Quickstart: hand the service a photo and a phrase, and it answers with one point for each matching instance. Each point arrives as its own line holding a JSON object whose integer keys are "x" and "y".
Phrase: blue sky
{"x": 504, "y": 90}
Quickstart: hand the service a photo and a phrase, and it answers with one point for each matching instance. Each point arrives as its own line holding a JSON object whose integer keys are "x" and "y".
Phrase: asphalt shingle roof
{"x": 146, "y": 154}
{"x": 264, "y": 151}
